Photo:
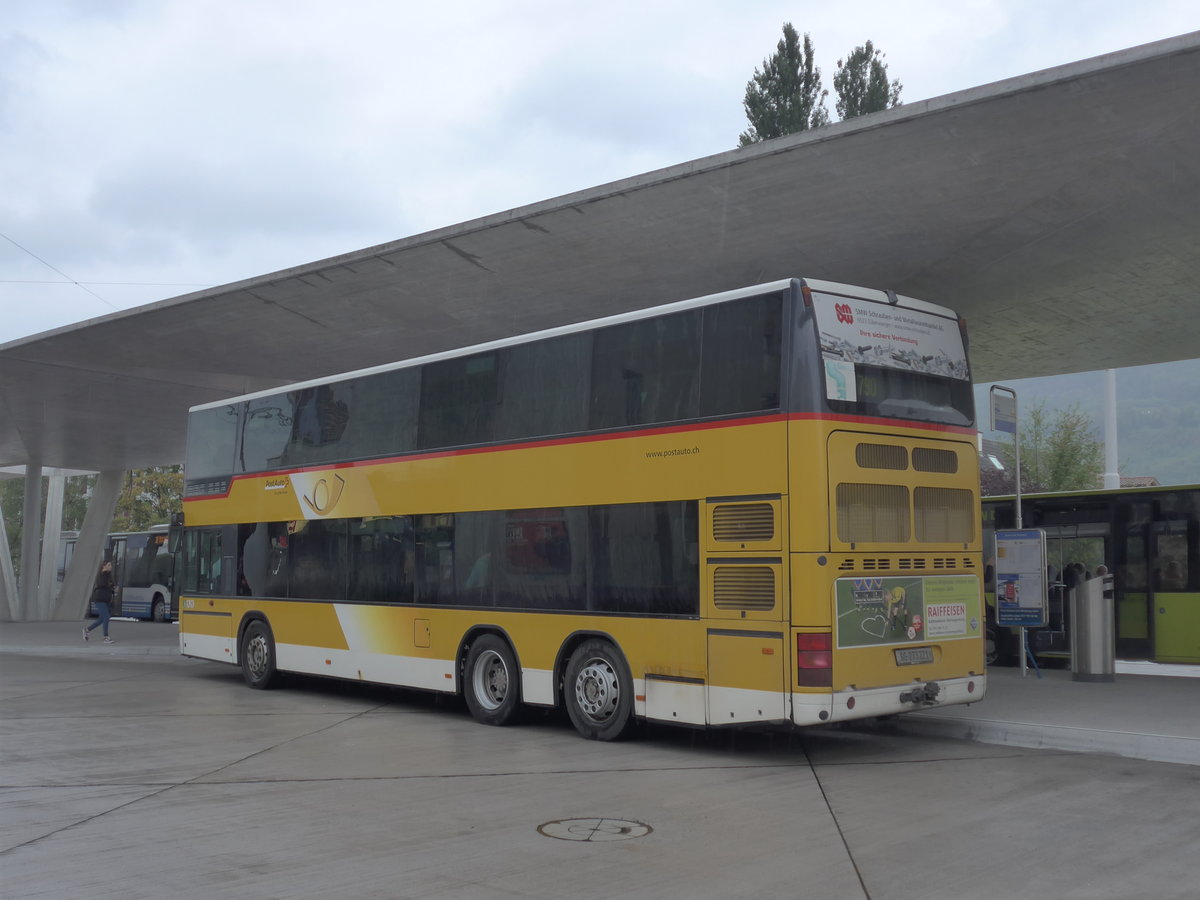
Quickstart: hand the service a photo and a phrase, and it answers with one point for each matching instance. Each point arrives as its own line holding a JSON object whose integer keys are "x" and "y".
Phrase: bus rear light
{"x": 814, "y": 659}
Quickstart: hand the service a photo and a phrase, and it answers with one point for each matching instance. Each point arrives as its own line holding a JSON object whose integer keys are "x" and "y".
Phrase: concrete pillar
{"x": 31, "y": 542}
{"x": 8, "y": 578}
{"x": 1112, "y": 477}
{"x": 51, "y": 533}
{"x": 89, "y": 548}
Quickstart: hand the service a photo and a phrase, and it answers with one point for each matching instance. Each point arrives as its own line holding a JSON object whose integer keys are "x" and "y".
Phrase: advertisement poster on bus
{"x": 858, "y": 332}
{"x": 876, "y": 611}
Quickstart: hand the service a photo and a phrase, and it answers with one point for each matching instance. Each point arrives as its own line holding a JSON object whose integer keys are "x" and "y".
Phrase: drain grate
{"x": 594, "y": 829}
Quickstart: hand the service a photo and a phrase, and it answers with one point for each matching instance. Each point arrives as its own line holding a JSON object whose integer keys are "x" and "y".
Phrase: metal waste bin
{"x": 1093, "y": 632}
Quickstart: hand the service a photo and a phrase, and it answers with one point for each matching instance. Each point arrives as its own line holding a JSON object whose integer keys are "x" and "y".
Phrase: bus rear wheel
{"x": 492, "y": 683}
{"x": 258, "y": 655}
{"x": 599, "y": 691}
{"x": 158, "y": 610}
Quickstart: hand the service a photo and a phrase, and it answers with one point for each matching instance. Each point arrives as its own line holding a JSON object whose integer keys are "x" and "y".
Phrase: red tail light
{"x": 814, "y": 659}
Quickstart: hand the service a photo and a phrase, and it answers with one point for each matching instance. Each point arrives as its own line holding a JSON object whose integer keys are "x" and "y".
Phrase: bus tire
{"x": 598, "y": 691}
{"x": 158, "y": 609}
{"x": 492, "y": 682}
{"x": 991, "y": 644}
{"x": 257, "y": 655}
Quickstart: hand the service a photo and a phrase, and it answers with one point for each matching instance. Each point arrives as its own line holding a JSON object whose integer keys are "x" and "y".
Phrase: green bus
{"x": 1149, "y": 540}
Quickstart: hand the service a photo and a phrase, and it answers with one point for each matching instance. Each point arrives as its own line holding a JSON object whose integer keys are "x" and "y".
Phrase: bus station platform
{"x": 1149, "y": 711}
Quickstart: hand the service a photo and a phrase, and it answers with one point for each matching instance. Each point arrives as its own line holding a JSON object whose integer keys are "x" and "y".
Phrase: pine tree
{"x": 862, "y": 85}
{"x": 785, "y": 96}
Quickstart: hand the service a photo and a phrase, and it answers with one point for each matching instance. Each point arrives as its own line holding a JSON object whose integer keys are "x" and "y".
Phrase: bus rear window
{"x": 893, "y": 361}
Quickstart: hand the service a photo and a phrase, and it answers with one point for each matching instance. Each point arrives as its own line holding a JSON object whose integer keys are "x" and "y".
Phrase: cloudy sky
{"x": 149, "y": 148}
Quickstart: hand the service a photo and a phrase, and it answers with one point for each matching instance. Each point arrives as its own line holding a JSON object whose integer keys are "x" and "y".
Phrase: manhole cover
{"x": 595, "y": 829}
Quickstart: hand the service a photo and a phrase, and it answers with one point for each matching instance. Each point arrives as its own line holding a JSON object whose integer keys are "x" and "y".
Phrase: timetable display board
{"x": 1021, "y": 588}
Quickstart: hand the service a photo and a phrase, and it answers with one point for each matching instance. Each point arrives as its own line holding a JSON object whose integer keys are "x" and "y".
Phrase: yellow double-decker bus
{"x": 758, "y": 507}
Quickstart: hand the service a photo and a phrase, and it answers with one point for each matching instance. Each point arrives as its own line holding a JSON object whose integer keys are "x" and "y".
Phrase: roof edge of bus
{"x": 500, "y": 343}
{"x": 878, "y": 296}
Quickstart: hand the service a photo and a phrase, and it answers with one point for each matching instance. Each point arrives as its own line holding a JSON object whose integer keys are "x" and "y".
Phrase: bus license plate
{"x": 914, "y": 656}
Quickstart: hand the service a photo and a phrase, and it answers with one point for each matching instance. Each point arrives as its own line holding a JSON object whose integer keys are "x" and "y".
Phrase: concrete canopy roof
{"x": 1058, "y": 211}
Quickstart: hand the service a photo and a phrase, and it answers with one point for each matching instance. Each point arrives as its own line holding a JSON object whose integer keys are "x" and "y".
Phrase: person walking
{"x": 102, "y": 595}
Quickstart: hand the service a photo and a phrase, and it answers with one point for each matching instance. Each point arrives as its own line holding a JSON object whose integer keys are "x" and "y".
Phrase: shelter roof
{"x": 1058, "y": 211}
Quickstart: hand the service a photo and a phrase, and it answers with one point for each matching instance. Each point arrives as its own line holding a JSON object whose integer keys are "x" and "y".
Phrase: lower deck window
{"x": 636, "y": 558}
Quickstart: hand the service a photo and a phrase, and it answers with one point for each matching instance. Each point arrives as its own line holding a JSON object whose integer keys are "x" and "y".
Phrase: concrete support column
{"x": 89, "y": 548}
{"x": 31, "y": 542}
{"x": 8, "y": 579}
{"x": 1112, "y": 477}
{"x": 51, "y": 535}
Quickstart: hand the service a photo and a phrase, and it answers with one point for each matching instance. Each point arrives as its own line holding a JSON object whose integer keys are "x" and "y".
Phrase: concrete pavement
{"x": 127, "y": 771}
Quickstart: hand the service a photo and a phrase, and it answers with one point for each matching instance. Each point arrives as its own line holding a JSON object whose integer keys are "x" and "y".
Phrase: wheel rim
{"x": 490, "y": 680}
{"x": 257, "y": 655}
{"x": 597, "y": 691}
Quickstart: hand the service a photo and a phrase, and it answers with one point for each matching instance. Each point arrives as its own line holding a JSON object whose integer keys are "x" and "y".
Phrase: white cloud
{"x": 183, "y": 143}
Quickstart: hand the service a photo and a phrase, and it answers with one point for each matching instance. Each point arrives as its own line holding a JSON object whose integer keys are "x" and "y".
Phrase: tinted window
{"x": 319, "y": 416}
{"x": 265, "y": 433}
{"x": 458, "y": 401}
{"x": 212, "y": 441}
{"x": 544, "y": 388}
{"x": 317, "y": 560}
{"x": 382, "y": 560}
{"x": 646, "y": 371}
{"x": 262, "y": 559}
{"x": 434, "y": 538}
{"x": 741, "y": 355}
{"x": 645, "y": 558}
{"x": 544, "y": 560}
{"x": 383, "y": 414}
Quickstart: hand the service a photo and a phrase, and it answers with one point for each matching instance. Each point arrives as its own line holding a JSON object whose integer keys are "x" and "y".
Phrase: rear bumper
{"x": 843, "y": 706}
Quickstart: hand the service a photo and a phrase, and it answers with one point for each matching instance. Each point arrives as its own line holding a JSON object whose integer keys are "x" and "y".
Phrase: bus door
{"x": 1175, "y": 595}
{"x": 1132, "y": 584}
{"x": 1069, "y": 547}
{"x": 117, "y": 555}
{"x": 745, "y": 608}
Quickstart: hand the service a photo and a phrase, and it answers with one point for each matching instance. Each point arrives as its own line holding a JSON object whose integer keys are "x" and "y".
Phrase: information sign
{"x": 1021, "y": 589}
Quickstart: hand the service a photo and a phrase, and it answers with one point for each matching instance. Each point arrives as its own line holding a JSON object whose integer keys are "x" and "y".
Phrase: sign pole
{"x": 1004, "y": 418}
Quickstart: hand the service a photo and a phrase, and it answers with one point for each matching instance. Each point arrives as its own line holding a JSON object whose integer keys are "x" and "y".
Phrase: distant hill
{"x": 1158, "y": 414}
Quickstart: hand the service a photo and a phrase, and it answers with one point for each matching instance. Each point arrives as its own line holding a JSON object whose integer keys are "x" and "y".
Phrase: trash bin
{"x": 1093, "y": 632}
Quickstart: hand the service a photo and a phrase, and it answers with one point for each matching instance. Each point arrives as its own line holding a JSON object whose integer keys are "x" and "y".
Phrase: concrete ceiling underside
{"x": 1058, "y": 211}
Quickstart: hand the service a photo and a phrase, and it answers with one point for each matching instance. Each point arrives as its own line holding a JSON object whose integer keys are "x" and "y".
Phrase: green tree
{"x": 862, "y": 84}
{"x": 12, "y": 500}
{"x": 785, "y": 95}
{"x": 1059, "y": 450}
{"x": 149, "y": 497}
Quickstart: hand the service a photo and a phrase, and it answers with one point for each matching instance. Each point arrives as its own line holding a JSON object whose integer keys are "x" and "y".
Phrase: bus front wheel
{"x": 492, "y": 683}
{"x": 258, "y": 655}
{"x": 599, "y": 691}
{"x": 158, "y": 610}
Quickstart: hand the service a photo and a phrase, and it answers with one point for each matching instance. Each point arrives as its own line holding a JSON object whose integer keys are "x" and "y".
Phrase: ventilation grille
{"x": 744, "y": 522}
{"x": 927, "y": 460}
{"x": 881, "y": 456}
{"x": 744, "y": 587}
{"x": 906, "y": 564}
{"x": 206, "y": 488}
{"x": 944, "y": 515}
{"x": 872, "y": 513}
